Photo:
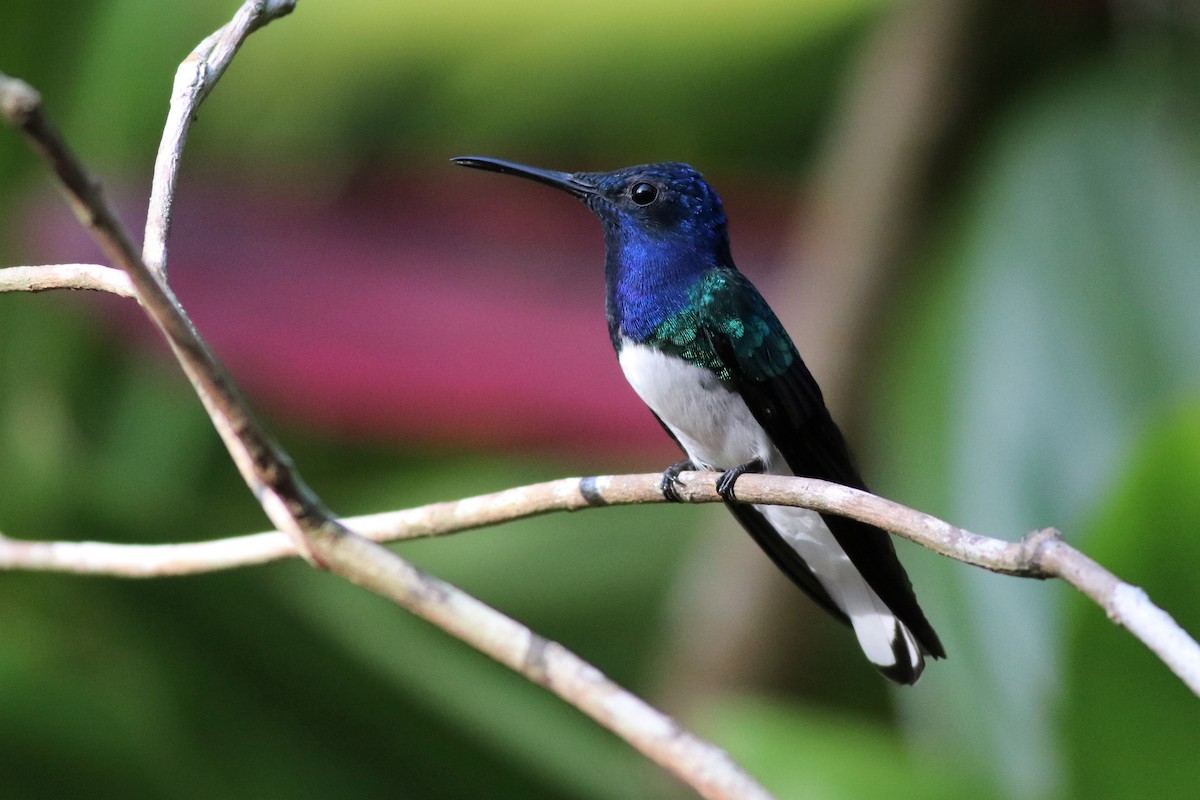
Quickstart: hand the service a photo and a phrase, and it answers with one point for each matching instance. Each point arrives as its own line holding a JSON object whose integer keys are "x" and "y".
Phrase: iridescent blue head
{"x": 664, "y": 230}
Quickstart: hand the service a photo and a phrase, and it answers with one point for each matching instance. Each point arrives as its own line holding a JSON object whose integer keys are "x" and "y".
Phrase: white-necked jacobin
{"x": 704, "y": 351}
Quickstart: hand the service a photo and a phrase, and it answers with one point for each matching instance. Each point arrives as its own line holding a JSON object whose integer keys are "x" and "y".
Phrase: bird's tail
{"x": 886, "y": 641}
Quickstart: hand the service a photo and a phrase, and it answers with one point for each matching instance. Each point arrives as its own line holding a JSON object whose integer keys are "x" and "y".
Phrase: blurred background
{"x": 980, "y": 221}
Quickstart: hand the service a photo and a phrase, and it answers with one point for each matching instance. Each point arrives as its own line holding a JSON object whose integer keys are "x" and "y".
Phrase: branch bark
{"x": 194, "y": 79}
{"x": 1040, "y": 554}
{"x": 66, "y": 276}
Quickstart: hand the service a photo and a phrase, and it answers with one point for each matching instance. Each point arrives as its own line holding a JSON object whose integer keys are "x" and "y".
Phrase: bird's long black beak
{"x": 572, "y": 184}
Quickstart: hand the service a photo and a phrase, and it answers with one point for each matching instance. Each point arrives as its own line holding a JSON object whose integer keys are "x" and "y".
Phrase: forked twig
{"x": 267, "y": 469}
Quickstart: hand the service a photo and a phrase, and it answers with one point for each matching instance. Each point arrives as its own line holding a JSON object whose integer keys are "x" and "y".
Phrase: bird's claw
{"x": 670, "y": 480}
{"x": 729, "y": 478}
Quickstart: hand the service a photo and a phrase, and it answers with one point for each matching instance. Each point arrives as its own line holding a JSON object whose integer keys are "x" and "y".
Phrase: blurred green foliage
{"x": 1059, "y": 313}
{"x": 340, "y": 83}
{"x": 1039, "y": 369}
{"x": 811, "y": 753}
{"x": 1111, "y": 721}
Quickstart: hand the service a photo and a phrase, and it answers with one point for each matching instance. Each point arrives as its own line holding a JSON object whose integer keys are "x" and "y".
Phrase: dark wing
{"x": 762, "y": 365}
{"x": 784, "y": 556}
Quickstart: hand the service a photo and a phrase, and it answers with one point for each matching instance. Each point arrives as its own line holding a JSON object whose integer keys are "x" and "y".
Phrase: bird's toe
{"x": 670, "y": 483}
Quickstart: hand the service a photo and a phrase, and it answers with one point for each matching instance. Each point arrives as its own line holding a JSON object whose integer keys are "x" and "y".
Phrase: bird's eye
{"x": 643, "y": 194}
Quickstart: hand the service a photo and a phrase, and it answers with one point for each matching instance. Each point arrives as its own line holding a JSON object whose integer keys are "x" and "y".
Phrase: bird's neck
{"x": 652, "y": 278}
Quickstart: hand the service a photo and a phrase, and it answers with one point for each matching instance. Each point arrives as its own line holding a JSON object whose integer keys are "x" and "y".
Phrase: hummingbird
{"x": 701, "y": 347}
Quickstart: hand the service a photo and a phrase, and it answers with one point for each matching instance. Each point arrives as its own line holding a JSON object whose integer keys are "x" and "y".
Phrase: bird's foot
{"x": 670, "y": 480}
{"x": 730, "y": 476}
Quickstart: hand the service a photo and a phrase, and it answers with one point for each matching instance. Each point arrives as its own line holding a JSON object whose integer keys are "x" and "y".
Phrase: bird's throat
{"x": 651, "y": 279}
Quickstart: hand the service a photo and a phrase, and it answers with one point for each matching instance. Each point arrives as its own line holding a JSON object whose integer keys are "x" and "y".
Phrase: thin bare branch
{"x": 194, "y": 79}
{"x": 297, "y": 511}
{"x": 1041, "y": 554}
{"x": 704, "y": 767}
{"x": 267, "y": 470}
{"x": 66, "y": 276}
{"x": 437, "y": 519}
{"x": 21, "y": 105}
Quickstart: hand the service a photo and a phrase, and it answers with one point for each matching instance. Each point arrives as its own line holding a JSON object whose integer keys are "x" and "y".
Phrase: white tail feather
{"x": 885, "y": 641}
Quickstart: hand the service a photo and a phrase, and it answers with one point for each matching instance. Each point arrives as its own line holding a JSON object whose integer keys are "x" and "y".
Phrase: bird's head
{"x": 667, "y": 203}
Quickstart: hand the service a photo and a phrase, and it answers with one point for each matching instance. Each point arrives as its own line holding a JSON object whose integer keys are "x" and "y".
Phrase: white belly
{"x": 711, "y": 423}
{"x": 718, "y": 432}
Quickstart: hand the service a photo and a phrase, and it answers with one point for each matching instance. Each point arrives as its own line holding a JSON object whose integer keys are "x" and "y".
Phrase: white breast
{"x": 712, "y": 423}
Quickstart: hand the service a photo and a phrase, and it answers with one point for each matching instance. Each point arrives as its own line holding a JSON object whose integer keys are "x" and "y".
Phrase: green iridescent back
{"x": 728, "y": 328}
